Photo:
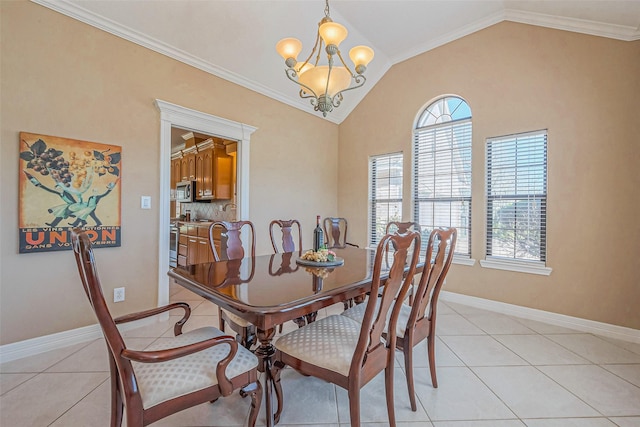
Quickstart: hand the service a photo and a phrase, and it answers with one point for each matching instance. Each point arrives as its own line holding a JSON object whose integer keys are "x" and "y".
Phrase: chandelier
{"x": 324, "y": 84}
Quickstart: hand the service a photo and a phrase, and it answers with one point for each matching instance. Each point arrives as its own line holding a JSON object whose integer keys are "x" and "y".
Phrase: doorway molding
{"x": 172, "y": 115}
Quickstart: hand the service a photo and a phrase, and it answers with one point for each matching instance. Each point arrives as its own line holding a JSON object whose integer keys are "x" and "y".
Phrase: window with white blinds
{"x": 385, "y": 194}
{"x": 442, "y": 169}
{"x": 517, "y": 197}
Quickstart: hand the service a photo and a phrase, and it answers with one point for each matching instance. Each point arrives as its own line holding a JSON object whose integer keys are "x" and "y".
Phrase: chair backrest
{"x": 286, "y": 229}
{"x": 335, "y": 232}
{"x": 234, "y": 248}
{"x": 395, "y": 288}
{"x": 401, "y": 227}
{"x": 439, "y": 254}
{"x": 86, "y": 264}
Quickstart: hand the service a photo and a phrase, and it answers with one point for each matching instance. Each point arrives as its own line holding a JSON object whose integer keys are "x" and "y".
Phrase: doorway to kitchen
{"x": 175, "y": 116}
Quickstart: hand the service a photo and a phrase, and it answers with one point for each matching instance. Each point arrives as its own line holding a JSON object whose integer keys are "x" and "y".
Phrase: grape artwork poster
{"x": 66, "y": 183}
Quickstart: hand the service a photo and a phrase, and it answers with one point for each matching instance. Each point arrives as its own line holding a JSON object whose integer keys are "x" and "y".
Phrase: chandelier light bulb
{"x": 333, "y": 33}
{"x": 289, "y": 48}
{"x": 361, "y": 56}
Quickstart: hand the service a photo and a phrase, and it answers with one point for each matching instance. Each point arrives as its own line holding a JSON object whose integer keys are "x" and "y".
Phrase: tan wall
{"x": 586, "y": 91}
{"x": 64, "y": 78}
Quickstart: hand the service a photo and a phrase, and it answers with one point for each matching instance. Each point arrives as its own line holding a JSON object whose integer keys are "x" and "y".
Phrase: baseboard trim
{"x": 34, "y": 346}
{"x": 583, "y": 325}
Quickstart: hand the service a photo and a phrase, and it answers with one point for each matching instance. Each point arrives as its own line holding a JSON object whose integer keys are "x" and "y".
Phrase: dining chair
{"x": 234, "y": 250}
{"x": 346, "y": 352}
{"x": 335, "y": 236}
{"x": 287, "y": 231}
{"x": 335, "y": 233}
{"x": 402, "y": 227}
{"x": 417, "y": 321}
{"x": 175, "y": 374}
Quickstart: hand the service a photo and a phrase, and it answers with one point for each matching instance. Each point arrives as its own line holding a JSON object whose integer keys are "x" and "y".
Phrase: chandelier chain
{"x": 326, "y": 8}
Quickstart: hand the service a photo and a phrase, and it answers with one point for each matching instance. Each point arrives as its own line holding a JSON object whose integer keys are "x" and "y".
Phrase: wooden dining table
{"x": 268, "y": 290}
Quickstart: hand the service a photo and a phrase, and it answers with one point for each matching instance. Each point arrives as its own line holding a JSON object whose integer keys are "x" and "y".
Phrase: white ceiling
{"x": 235, "y": 39}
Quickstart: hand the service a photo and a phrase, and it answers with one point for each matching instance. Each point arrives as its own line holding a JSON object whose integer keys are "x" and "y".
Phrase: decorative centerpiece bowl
{"x": 320, "y": 258}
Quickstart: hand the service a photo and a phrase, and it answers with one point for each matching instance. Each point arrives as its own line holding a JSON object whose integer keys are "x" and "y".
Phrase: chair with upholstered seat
{"x": 335, "y": 233}
{"x": 192, "y": 368}
{"x": 417, "y": 322}
{"x": 349, "y": 353}
{"x": 234, "y": 250}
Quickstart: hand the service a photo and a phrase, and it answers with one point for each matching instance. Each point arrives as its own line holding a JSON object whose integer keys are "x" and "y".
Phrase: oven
{"x": 173, "y": 244}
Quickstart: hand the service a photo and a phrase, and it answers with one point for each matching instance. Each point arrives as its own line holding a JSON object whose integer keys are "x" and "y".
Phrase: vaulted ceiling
{"x": 235, "y": 39}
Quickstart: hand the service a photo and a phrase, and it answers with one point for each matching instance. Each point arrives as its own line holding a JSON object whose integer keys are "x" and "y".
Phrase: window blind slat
{"x": 385, "y": 193}
{"x": 517, "y": 196}
{"x": 442, "y": 169}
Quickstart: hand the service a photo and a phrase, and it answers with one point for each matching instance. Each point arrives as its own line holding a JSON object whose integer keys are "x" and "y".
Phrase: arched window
{"x": 442, "y": 169}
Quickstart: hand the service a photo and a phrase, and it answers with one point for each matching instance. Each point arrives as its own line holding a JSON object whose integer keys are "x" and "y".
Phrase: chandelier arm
{"x": 315, "y": 46}
{"x": 304, "y": 94}
{"x": 360, "y": 81}
{"x": 291, "y": 73}
{"x": 346, "y": 66}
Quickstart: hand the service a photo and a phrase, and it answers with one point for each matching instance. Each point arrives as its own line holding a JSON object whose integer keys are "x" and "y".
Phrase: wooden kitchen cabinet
{"x": 193, "y": 243}
{"x": 188, "y": 164}
{"x": 214, "y": 172}
{"x": 176, "y": 171}
{"x": 222, "y": 173}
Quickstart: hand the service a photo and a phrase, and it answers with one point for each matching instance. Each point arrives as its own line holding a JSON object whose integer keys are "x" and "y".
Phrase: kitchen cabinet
{"x": 214, "y": 169}
{"x": 209, "y": 165}
{"x": 193, "y": 243}
{"x": 176, "y": 172}
{"x": 188, "y": 164}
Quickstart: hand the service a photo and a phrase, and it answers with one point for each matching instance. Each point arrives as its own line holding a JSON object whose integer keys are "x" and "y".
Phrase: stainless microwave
{"x": 186, "y": 191}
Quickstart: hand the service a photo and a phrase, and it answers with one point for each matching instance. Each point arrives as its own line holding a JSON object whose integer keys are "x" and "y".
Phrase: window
{"x": 517, "y": 197}
{"x": 442, "y": 169}
{"x": 385, "y": 194}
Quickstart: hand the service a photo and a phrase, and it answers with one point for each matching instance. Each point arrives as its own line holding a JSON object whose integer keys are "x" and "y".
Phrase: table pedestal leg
{"x": 265, "y": 351}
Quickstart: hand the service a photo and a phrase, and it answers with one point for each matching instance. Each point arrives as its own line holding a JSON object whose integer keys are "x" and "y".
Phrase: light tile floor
{"x": 493, "y": 371}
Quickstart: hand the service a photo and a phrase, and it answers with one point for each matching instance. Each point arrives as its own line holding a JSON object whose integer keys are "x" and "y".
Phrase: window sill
{"x": 518, "y": 266}
{"x": 461, "y": 260}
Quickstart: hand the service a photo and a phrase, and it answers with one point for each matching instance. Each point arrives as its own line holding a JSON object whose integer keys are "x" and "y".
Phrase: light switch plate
{"x": 145, "y": 202}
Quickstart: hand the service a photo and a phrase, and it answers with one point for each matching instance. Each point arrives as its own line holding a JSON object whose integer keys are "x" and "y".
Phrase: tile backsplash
{"x": 222, "y": 210}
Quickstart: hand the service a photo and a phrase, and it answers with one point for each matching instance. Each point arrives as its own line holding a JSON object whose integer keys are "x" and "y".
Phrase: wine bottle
{"x": 318, "y": 236}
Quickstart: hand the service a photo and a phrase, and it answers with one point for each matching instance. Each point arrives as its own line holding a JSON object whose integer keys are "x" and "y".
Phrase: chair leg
{"x": 300, "y": 321}
{"x": 277, "y": 386}
{"x": 354, "y": 406}
{"x": 255, "y": 391}
{"x": 117, "y": 405}
{"x": 408, "y": 367}
{"x": 388, "y": 382}
{"x": 221, "y": 319}
{"x": 249, "y": 336}
{"x": 431, "y": 349}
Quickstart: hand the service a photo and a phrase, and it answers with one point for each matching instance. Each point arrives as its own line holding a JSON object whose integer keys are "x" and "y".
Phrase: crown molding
{"x": 449, "y": 37}
{"x": 600, "y": 29}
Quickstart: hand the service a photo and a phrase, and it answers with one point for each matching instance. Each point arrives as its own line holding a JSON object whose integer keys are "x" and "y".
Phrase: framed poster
{"x": 66, "y": 183}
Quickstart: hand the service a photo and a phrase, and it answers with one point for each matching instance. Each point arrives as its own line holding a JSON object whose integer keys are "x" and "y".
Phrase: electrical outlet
{"x": 118, "y": 294}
